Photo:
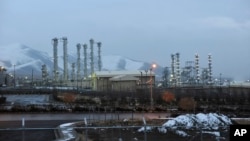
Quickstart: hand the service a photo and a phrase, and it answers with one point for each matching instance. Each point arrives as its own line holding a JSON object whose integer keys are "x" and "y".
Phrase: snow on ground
{"x": 67, "y": 132}
{"x": 209, "y": 123}
{"x": 28, "y": 99}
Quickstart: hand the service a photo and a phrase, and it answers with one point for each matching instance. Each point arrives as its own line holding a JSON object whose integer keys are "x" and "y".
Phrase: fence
{"x": 81, "y": 132}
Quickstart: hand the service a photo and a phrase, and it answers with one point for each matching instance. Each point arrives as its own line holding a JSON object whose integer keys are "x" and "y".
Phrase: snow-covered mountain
{"x": 24, "y": 59}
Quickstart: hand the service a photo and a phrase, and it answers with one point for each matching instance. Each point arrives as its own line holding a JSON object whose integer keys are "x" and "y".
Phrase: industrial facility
{"x": 83, "y": 72}
{"x": 91, "y": 76}
{"x": 189, "y": 75}
{"x": 83, "y": 76}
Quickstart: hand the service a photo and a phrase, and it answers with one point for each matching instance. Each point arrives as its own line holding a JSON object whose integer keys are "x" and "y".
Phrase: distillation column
{"x": 178, "y": 75}
{"x": 78, "y": 61}
{"x": 65, "y": 59}
{"x": 85, "y": 68}
{"x": 55, "y": 71}
{"x": 91, "y": 56}
{"x": 73, "y": 72}
{"x": 209, "y": 68}
{"x": 99, "y": 56}
{"x": 173, "y": 81}
{"x": 197, "y": 68}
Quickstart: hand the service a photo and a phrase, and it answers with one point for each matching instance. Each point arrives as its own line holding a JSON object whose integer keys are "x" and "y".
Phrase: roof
{"x": 124, "y": 78}
{"x": 136, "y": 73}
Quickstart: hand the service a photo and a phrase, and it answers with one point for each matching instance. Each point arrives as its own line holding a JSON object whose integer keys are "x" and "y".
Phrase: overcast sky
{"x": 144, "y": 30}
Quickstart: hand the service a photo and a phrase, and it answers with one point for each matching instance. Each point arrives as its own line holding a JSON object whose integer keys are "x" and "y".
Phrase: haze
{"x": 144, "y": 30}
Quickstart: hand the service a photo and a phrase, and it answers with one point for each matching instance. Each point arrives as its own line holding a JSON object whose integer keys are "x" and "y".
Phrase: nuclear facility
{"x": 89, "y": 60}
{"x": 191, "y": 74}
{"x": 82, "y": 76}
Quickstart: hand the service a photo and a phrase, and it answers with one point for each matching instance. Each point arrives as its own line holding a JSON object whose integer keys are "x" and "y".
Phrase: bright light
{"x": 153, "y": 65}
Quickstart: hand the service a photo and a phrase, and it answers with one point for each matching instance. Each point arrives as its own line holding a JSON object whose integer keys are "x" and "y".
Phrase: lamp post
{"x": 151, "y": 86}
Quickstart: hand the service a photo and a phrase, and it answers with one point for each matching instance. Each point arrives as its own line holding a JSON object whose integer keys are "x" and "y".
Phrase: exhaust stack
{"x": 99, "y": 56}
{"x": 78, "y": 61}
{"x": 85, "y": 68}
{"x": 55, "y": 57}
{"x": 91, "y": 56}
{"x": 65, "y": 59}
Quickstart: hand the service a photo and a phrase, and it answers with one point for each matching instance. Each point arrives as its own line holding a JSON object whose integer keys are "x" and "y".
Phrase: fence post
{"x": 23, "y": 132}
{"x": 86, "y": 130}
{"x": 145, "y": 129}
{"x": 201, "y": 134}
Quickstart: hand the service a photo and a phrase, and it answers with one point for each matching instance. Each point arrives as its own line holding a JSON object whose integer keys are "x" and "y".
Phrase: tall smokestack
{"x": 73, "y": 72}
{"x": 78, "y": 61}
{"x": 197, "y": 68}
{"x": 91, "y": 56}
{"x": 173, "y": 69}
{"x": 209, "y": 68}
{"x": 65, "y": 59}
{"x": 85, "y": 69}
{"x": 99, "y": 56}
{"x": 178, "y": 75}
{"x": 55, "y": 71}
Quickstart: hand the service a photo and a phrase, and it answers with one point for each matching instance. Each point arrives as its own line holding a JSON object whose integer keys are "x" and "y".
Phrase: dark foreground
{"x": 41, "y": 130}
{"x": 120, "y": 131}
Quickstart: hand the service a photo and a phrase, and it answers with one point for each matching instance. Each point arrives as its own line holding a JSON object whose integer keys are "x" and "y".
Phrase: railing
{"x": 80, "y": 132}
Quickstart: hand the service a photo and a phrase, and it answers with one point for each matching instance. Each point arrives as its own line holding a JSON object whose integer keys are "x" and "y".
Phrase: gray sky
{"x": 145, "y": 30}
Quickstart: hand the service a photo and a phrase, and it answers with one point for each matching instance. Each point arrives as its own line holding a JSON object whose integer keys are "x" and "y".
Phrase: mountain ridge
{"x": 24, "y": 60}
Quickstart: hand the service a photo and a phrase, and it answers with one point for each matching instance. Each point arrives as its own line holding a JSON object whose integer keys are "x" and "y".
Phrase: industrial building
{"x": 123, "y": 80}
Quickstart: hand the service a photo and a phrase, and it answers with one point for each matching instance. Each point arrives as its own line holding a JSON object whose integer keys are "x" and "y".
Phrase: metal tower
{"x": 65, "y": 59}
{"x": 91, "y": 56}
{"x": 173, "y": 80}
{"x": 178, "y": 73}
{"x": 45, "y": 73}
{"x": 73, "y": 77}
{"x": 55, "y": 57}
{"x": 197, "y": 68}
{"x": 99, "y": 56}
{"x": 78, "y": 61}
{"x": 85, "y": 69}
{"x": 209, "y": 68}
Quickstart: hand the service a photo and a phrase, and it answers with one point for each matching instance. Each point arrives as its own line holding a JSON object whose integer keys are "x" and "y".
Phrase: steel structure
{"x": 197, "y": 68}
{"x": 65, "y": 59}
{"x": 91, "y": 56}
{"x": 78, "y": 61}
{"x": 85, "y": 68}
{"x": 99, "y": 56}
{"x": 173, "y": 79}
{"x": 55, "y": 57}
{"x": 210, "y": 69}
{"x": 178, "y": 73}
{"x": 73, "y": 76}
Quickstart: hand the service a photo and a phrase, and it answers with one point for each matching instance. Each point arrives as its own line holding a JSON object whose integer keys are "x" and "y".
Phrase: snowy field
{"x": 27, "y": 99}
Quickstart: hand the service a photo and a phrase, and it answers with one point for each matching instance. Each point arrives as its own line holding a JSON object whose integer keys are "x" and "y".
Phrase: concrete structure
{"x": 122, "y": 80}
